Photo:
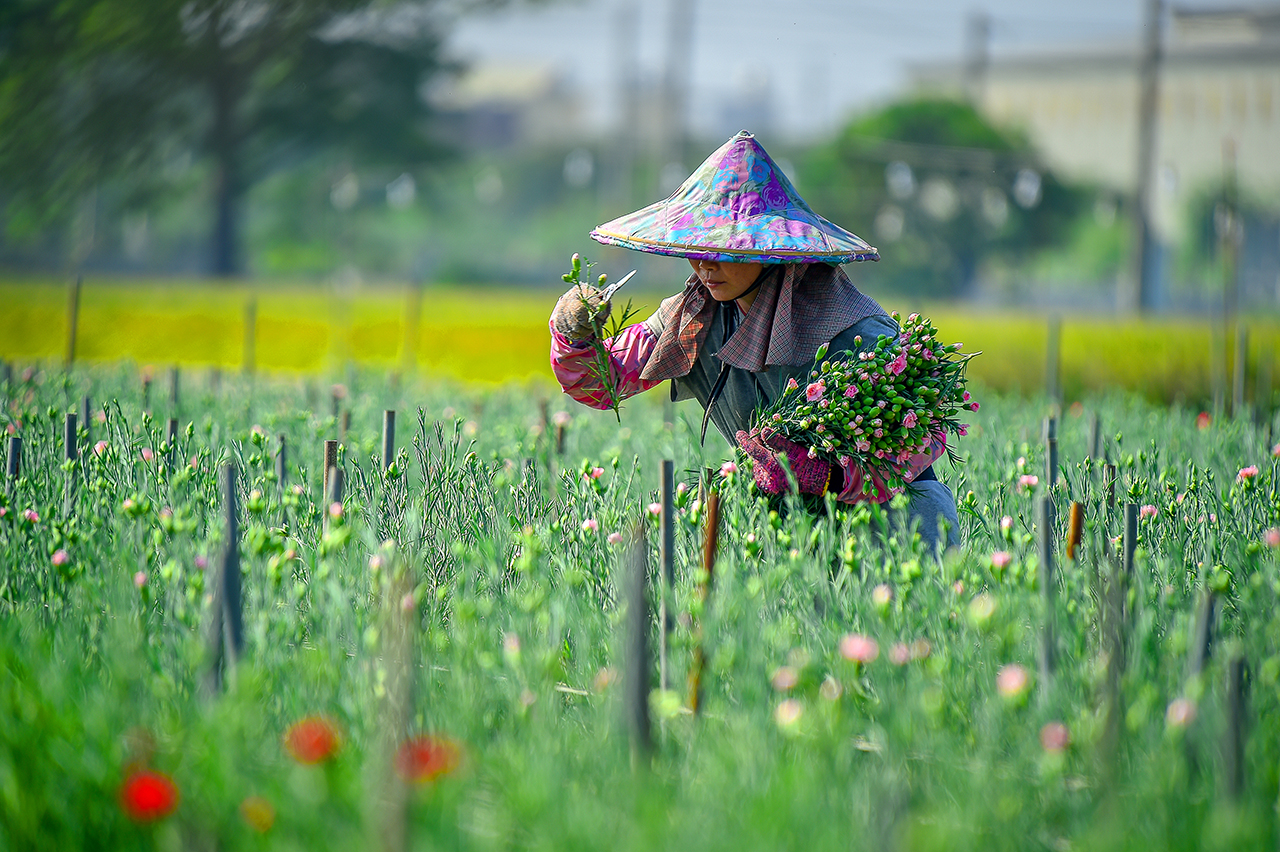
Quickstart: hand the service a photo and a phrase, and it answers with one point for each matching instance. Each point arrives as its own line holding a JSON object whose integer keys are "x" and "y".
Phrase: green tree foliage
{"x": 940, "y": 190}
{"x": 95, "y": 91}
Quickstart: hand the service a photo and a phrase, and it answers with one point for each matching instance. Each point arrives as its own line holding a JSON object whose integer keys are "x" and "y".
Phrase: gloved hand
{"x": 580, "y": 313}
{"x": 765, "y": 445}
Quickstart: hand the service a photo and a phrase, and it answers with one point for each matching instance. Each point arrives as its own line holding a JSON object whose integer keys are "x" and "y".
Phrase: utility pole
{"x": 977, "y": 56}
{"x": 1142, "y": 295}
{"x": 675, "y": 86}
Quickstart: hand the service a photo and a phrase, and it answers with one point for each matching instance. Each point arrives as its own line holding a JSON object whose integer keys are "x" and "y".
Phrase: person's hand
{"x": 813, "y": 475}
{"x": 580, "y": 313}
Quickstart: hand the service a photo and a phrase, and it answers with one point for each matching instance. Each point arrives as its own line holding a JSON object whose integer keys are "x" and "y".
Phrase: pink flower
{"x": 858, "y": 648}
{"x": 1247, "y": 473}
{"x": 1181, "y": 713}
{"x": 202, "y": 562}
{"x": 863, "y": 446}
{"x": 784, "y": 678}
{"x": 562, "y": 418}
{"x": 1148, "y": 511}
{"x": 973, "y": 406}
{"x": 966, "y": 396}
{"x": 900, "y": 654}
{"x": 335, "y": 510}
{"x": 815, "y": 390}
{"x": 728, "y": 469}
{"x": 910, "y": 420}
{"x": 140, "y": 579}
{"x": 147, "y": 454}
{"x": 591, "y": 525}
{"x": 61, "y": 557}
{"x": 30, "y": 516}
{"x": 1275, "y": 451}
{"x": 1012, "y": 680}
{"x": 897, "y": 365}
{"x": 100, "y": 448}
{"x": 3, "y": 511}
{"x": 1272, "y": 537}
{"x": 100, "y": 416}
{"x": 615, "y": 538}
{"x": 594, "y": 473}
{"x": 1006, "y": 523}
{"x": 655, "y": 509}
{"x": 1001, "y": 559}
{"x": 792, "y": 384}
{"x": 963, "y": 430}
{"x": 1203, "y": 420}
{"x": 1054, "y": 737}
{"x": 407, "y": 603}
{"x": 1028, "y": 481}
{"x": 852, "y": 391}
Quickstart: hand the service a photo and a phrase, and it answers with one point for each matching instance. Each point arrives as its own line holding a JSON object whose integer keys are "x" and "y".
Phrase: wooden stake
{"x": 667, "y": 556}
{"x": 173, "y": 390}
{"x": 73, "y": 319}
{"x": 226, "y": 634}
{"x": 636, "y": 671}
{"x": 1051, "y": 451}
{"x": 346, "y": 425}
{"x": 1095, "y": 438}
{"x": 388, "y": 438}
{"x": 1047, "y": 584}
{"x": 1075, "y": 529}
{"x": 1200, "y": 648}
{"x": 70, "y": 453}
{"x": 1235, "y": 734}
{"x": 86, "y": 417}
{"x": 13, "y": 467}
{"x": 281, "y": 456}
{"x": 710, "y": 544}
{"x": 330, "y": 462}
{"x": 6, "y": 375}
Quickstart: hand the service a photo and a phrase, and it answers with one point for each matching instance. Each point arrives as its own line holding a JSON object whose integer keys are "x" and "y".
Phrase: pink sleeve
{"x": 865, "y": 486}
{"x": 629, "y": 351}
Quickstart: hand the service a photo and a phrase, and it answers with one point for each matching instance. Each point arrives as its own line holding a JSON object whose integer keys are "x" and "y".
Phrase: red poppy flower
{"x": 313, "y": 740}
{"x": 148, "y": 795}
{"x": 426, "y": 758}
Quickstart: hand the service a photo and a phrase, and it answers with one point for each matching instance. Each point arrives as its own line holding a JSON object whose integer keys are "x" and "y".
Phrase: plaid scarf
{"x": 794, "y": 313}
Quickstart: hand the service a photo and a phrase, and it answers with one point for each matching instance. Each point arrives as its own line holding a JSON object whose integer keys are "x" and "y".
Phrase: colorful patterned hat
{"x": 737, "y": 206}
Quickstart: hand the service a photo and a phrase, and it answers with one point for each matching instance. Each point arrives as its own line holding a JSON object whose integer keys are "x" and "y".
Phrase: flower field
{"x": 444, "y": 649}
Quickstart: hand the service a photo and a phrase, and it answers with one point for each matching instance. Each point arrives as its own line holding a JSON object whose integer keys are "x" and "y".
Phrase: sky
{"x": 814, "y": 63}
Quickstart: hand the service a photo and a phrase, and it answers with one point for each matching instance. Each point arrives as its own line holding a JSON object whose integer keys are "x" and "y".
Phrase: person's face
{"x": 726, "y": 281}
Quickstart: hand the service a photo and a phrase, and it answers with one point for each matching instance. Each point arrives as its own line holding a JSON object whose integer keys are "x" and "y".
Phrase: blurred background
{"x": 1113, "y": 157}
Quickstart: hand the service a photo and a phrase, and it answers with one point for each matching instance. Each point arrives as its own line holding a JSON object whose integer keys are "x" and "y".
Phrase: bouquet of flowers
{"x": 878, "y": 407}
{"x": 596, "y": 301}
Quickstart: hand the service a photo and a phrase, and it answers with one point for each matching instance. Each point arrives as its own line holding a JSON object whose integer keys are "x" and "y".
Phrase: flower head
{"x": 1181, "y": 713}
{"x": 788, "y": 714}
{"x": 593, "y": 474}
{"x": 899, "y": 364}
{"x": 140, "y": 579}
{"x": 1028, "y": 482}
{"x": 1006, "y": 523}
{"x": 1272, "y": 537}
{"x": 728, "y": 469}
{"x": 1001, "y": 559}
{"x": 591, "y": 525}
{"x": 312, "y": 740}
{"x": 424, "y": 758}
{"x": 61, "y": 557}
{"x": 1012, "y": 681}
{"x": 1247, "y": 473}
{"x": 784, "y": 678}
{"x": 655, "y": 509}
{"x": 147, "y": 454}
{"x": 900, "y": 654}
{"x": 815, "y": 391}
{"x": 148, "y": 795}
{"x": 1054, "y": 737}
{"x": 1203, "y": 420}
{"x": 1148, "y": 511}
{"x": 30, "y": 516}
{"x": 615, "y": 538}
{"x": 100, "y": 448}
{"x": 851, "y": 391}
{"x": 858, "y": 648}
{"x": 910, "y": 420}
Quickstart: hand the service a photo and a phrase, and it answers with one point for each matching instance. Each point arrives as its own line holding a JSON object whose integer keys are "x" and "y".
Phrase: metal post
{"x": 1047, "y": 581}
{"x": 1233, "y": 747}
{"x": 226, "y": 634}
{"x": 636, "y": 673}
{"x": 70, "y": 453}
{"x": 14, "y": 465}
{"x": 1051, "y": 452}
{"x": 330, "y": 462}
{"x": 73, "y": 320}
{"x": 388, "y": 438}
{"x": 281, "y": 455}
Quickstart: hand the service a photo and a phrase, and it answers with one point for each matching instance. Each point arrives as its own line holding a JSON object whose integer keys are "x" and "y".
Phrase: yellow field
{"x": 495, "y": 334}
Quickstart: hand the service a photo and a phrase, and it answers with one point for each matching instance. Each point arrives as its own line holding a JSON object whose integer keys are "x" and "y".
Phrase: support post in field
{"x": 1218, "y": 369}
{"x": 1075, "y": 528}
{"x": 330, "y": 462}
{"x": 388, "y": 438}
{"x": 335, "y": 397}
{"x": 709, "y": 546}
{"x": 1095, "y": 439}
{"x": 1200, "y": 643}
{"x": 1053, "y": 363}
{"x": 1235, "y": 734}
{"x": 70, "y": 454}
{"x": 281, "y": 458}
{"x": 6, "y": 375}
{"x": 1109, "y": 486}
{"x": 636, "y": 677}
{"x": 667, "y": 556}
{"x": 249, "y": 358}
{"x": 1050, "y": 452}
{"x": 345, "y": 425}
{"x": 86, "y": 417}
{"x": 1130, "y": 548}
{"x": 215, "y": 382}
{"x": 73, "y": 320}
{"x": 171, "y": 443}
{"x": 1048, "y": 580}
{"x": 146, "y": 390}
{"x": 559, "y": 439}
{"x": 1239, "y": 370}
{"x": 13, "y": 464}
{"x": 173, "y": 390}
{"x": 226, "y": 634}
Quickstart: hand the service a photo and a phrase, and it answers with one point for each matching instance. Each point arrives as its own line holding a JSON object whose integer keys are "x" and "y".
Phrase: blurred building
{"x": 496, "y": 106}
{"x": 1219, "y": 110}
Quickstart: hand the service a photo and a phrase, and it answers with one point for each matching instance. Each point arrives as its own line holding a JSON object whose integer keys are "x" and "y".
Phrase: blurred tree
{"x": 939, "y": 189}
{"x": 100, "y": 90}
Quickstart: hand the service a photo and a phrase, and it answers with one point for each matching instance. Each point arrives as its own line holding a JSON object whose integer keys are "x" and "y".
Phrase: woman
{"x": 766, "y": 291}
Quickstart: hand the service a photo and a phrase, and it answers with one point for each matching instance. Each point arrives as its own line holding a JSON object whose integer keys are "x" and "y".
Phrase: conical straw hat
{"x": 737, "y": 206}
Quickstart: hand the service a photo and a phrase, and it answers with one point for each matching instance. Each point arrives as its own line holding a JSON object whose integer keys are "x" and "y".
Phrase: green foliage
{"x": 936, "y": 186}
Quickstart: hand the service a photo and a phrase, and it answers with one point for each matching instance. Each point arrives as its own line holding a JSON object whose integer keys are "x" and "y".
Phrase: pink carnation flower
{"x": 590, "y": 525}
{"x": 899, "y": 364}
{"x": 615, "y": 538}
{"x": 1001, "y": 559}
{"x": 858, "y": 648}
{"x": 1148, "y": 511}
{"x": 910, "y": 420}
{"x": 1247, "y": 473}
{"x": 815, "y": 391}
{"x": 61, "y": 557}
{"x": 852, "y": 391}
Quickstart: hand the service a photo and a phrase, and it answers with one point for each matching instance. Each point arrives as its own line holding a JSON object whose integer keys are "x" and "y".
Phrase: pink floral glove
{"x": 765, "y": 446}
